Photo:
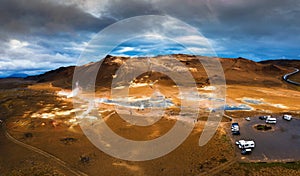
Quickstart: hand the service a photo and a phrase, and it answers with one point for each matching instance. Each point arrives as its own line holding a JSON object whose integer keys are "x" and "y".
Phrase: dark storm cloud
{"x": 36, "y": 16}
{"x": 130, "y": 8}
{"x": 236, "y": 17}
{"x": 257, "y": 29}
{"x": 258, "y": 17}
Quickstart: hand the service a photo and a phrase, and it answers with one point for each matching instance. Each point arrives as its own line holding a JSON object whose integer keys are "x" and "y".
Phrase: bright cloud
{"x": 15, "y": 44}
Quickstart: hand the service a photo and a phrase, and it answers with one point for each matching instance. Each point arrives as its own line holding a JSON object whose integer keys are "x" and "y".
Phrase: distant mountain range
{"x": 17, "y": 75}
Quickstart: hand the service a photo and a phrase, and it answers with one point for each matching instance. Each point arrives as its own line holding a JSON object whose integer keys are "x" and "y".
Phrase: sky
{"x": 41, "y": 35}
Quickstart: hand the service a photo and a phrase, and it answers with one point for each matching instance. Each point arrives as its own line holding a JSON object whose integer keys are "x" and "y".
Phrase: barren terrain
{"x": 38, "y": 112}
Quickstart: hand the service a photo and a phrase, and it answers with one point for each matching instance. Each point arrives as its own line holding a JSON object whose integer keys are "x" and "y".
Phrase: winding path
{"x": 41, "y": 152}
{"x": 286, "y": 77}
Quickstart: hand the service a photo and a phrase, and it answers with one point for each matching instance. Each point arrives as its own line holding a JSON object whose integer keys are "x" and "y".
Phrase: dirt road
{"x": 67, "y": 169}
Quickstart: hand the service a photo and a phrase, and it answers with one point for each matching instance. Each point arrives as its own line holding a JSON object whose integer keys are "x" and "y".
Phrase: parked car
{"x": 246, "y": 151}
{"x": 287, "y": 117}
{"x": 235, "y": 129}
{"x": 264, "y": 117}
{"x": 248, "y": 118}
{"x": 271, "y": 120}
{"x": 243, "y": 144}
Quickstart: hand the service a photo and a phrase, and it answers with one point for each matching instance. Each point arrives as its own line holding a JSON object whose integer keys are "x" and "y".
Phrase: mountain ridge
{"x": 237, "y": 71}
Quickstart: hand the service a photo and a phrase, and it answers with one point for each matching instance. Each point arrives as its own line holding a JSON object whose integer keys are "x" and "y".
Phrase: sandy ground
{"x": 41, "y": 112}
{"x": 295, "y": 77}
{"x": 187, "y": 159}
{"x": 16, "y": 160}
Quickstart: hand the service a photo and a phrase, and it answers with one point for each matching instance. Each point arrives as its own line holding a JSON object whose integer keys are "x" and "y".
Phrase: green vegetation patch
{"x": 287, "y": 165}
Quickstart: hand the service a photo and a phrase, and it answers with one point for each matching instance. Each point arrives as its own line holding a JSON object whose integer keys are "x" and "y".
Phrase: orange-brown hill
{"x": 283, "y": 62}
{"x": 237, "y": 71}
{"x": 292, "y": 64}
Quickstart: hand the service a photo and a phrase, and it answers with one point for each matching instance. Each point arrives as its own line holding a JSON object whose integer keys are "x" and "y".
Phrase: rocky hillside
{"x": 237, "y": 71}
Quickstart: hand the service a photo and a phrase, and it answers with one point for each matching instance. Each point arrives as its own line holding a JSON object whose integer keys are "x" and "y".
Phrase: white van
{"x": 287, "y": 117}
{"x": 271, "y": 120}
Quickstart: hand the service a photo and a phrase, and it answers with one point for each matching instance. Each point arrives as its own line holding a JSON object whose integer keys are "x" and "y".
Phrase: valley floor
{"x": 40, "y": 117}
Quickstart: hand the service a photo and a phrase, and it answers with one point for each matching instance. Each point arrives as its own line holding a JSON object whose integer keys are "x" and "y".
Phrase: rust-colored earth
{"x": 36, "y": 114}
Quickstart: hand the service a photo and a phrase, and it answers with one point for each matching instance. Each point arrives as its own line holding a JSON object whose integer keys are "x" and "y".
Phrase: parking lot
{"x": 281, "y": 143}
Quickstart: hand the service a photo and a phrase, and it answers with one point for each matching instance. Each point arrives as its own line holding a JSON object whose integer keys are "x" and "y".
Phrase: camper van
{"x": 242, "y": 144}
{"x": 271, "y": 120}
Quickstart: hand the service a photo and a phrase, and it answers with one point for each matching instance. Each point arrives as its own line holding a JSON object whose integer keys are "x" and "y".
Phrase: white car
{"x": 243, "y": 144}
{"x": 271, "y": 120}
{"x": 287, "y": 117}
{"x": 246, "y": 151}
{"x": 248, "y": 118}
